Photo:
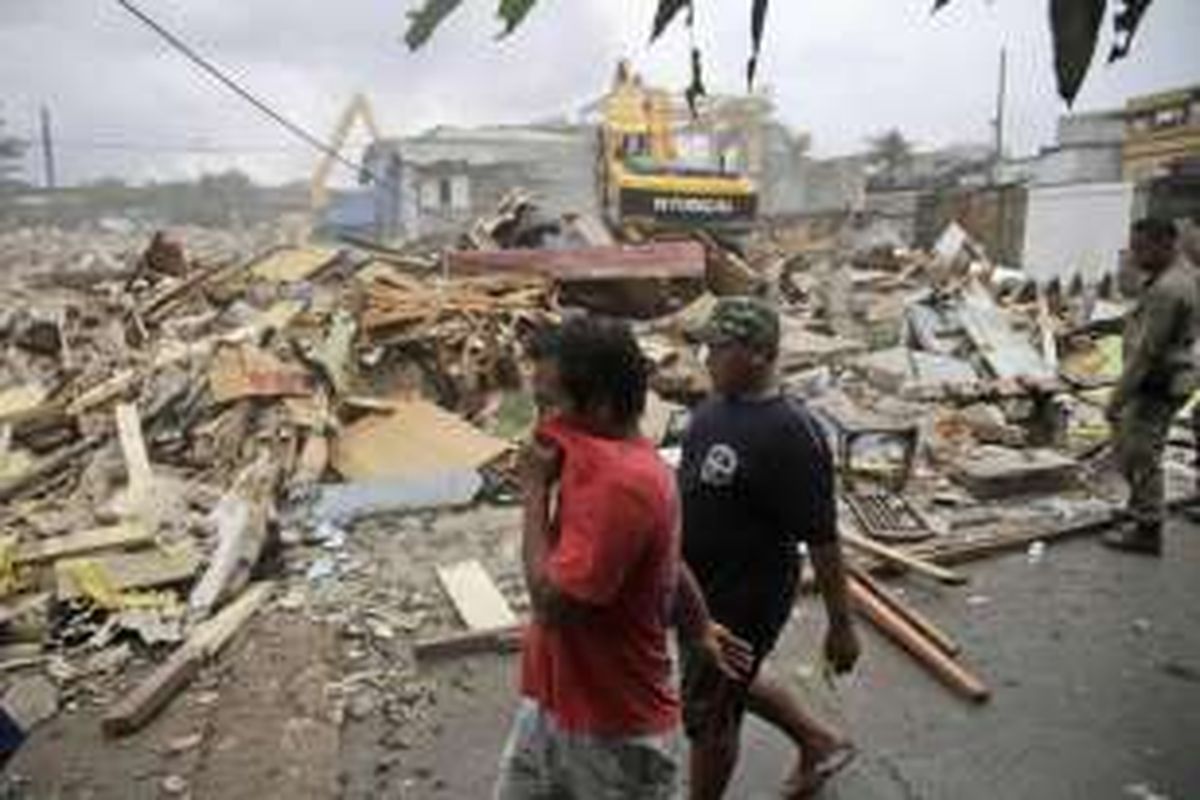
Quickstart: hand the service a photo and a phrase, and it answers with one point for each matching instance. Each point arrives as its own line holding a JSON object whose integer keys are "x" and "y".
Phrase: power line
{"x": 173, "y": 147}
{"x": 206, "y": 65}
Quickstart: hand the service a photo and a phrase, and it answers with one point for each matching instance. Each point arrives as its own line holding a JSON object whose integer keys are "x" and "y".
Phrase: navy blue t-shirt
{"x": 756, "y": 477}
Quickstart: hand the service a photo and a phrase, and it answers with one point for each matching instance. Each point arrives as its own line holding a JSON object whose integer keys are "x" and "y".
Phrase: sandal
{"x": 812, "y": 781}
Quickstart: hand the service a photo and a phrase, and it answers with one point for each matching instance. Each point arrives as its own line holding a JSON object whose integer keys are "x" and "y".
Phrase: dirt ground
{"x": 1094, "y": 660}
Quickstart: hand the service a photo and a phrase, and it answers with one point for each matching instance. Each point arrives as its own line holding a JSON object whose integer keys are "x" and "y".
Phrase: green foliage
{"x": 1075, "y": 25}
{"x": 424, "y": 21}
{"x": 667, "y": 11}
{"x": 513, "y": 13}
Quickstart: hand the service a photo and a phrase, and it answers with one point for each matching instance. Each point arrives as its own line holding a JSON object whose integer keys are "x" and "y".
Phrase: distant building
{"x": 440, "y": 181}
{"x": 1088, "y": 150}
{"x": 1162, "y": 134}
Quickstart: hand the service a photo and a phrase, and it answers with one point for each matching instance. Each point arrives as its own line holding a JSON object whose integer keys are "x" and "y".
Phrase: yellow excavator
{"x": 658, "y": 169}
{"x": 359, "y": 108}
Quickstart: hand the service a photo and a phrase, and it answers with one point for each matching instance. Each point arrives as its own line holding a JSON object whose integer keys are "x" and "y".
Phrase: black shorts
{"x": 756, "y": 611}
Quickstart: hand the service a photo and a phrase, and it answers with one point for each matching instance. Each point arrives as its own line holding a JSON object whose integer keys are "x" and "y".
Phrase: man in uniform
{"x": 1159, "y": 375}
{"x": 756, "y": 479}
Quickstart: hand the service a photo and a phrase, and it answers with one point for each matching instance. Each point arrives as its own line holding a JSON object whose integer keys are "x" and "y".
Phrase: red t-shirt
{"x": 618, "y": 551}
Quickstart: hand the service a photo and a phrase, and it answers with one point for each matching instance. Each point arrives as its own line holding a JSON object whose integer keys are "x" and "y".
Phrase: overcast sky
{"x": 124, "y": 103}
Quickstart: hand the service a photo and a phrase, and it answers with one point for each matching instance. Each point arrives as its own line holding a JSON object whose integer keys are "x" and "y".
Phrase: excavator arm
{"x": 359, "y": 108}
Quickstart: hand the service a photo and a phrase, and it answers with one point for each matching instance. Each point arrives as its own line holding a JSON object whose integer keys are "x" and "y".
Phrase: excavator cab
{"x": 661, "y": 169}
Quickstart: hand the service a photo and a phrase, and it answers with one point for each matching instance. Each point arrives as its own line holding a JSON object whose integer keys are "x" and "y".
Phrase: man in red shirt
{"x": 599, "y": 715}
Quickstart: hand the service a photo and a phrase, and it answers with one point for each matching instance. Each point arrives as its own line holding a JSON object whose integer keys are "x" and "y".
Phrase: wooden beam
{"x": 928, "y": 629}
{"x": 622, "y": 262}
{"x": 902, "y": 559}
{"x": 46, "y": 468}
{"x": 133, "y": 447}
{"x": 126, "y": 535}
{"x": 142, "y": 569}
{"x": 150, "y": 696}
{"x": 945, "y": 669}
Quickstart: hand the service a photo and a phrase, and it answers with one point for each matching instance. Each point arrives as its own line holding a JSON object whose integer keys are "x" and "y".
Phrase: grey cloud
{"x": 842, "y": 70}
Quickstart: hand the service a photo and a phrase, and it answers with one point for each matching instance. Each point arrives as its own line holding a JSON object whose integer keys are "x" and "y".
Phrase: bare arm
{"x": 551, "y": 606}
{"x": 841, "y": 643}
{"x": 691, "y": 610}
{"x": 731, "y": 655}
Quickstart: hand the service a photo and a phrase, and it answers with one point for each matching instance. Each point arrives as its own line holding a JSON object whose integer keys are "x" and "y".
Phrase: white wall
{"x": 1076, "y": 229}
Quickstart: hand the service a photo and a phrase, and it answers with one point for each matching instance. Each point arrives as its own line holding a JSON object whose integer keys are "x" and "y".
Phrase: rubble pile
{"x": 170, "y": 427}
{"x": 192, "y": 433}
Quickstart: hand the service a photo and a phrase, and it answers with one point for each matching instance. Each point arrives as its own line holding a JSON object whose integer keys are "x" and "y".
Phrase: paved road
{"x": 1094, "y": 660}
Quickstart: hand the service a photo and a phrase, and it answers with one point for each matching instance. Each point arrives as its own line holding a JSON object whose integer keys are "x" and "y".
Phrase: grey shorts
{"x": 543, "y": 762}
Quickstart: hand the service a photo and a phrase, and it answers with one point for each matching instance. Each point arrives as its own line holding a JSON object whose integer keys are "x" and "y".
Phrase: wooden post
{"x": 890, "y": 624}
{"x": 942, "y": 640}
{"x": 903, "y": 559}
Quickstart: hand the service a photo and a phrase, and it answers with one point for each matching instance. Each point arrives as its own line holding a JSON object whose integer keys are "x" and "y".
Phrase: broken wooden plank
{"x": 455, "y": 645}
{"x": 149, "y": 569}
{"x": 126, "y": 535}
{"x": 293, "y": 264}
{"x": 20, "y": 402}
{"x": 658, "y": 260}
{"x": 46, "y": 468}
{"x": 133, "y": 447}
{"x": 902, "y": 559}
{"x": 150, "y": 696}
{"x": 277, "y": 316}
{"x": 475, "y": 596}
{"x": 241, "y": 520}
{"x": 16, "y": 607}
{"x": 945, "y": 669}
{"x": 159, "y": 304}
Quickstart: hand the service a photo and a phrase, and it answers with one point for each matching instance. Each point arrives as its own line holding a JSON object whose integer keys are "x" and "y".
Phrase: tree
{"x": 12, "y": 156}
{"x": 1075, "y": 25}
{"x": 890, "y": 154}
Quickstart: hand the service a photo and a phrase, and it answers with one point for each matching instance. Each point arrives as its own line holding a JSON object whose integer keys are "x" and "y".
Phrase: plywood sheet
{"x": 129, "y": 534}
{"x": 417, "y": 439}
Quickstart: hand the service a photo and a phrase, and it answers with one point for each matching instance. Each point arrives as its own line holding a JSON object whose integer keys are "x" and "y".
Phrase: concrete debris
{"x": 31, "y": 701}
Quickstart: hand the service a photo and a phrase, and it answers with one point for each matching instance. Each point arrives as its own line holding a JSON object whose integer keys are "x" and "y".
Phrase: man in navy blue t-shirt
{"x": 756, "y": 479}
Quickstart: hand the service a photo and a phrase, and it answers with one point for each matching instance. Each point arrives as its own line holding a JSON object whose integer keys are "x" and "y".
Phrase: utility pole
{"x": 48, "y": 149}
{"x": 998, "y": 122}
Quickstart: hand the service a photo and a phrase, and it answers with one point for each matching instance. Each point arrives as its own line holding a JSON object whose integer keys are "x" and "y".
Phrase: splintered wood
{"x": 394, "y": 302}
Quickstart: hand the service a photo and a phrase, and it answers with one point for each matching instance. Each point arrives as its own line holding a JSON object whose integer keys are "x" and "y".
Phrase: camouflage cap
{"x": 744, "y": 320}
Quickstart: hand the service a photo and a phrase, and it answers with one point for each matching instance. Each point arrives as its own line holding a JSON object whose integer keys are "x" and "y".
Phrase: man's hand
{"x": 540, "y": 464}
{"x": 842, "y": 648}
{"x": 734, "y": 657}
